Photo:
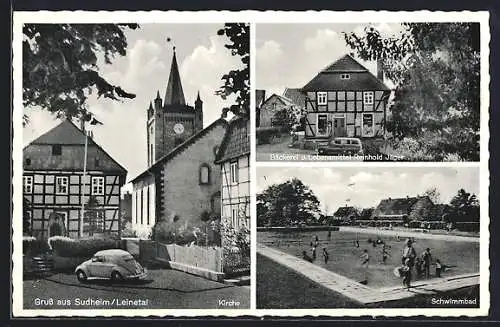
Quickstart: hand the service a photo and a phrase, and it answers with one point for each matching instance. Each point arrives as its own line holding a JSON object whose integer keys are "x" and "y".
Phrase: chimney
{"x": 380, "y": 69}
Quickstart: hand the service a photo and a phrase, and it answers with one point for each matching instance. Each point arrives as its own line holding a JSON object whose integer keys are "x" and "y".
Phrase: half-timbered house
{"x": 345, "y": 99}
{"x": 234, "y": 160}
{"x": 55, "y": 186}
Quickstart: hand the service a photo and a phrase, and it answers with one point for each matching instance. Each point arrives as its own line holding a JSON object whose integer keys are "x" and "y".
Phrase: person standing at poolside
{"x": 385, "y": 253}
{"x": 325, "y": 255}
{"x": 406, "y": 273}
{"x": 409, "y": 253}
{"x": 427, "y": 258}
{"x": 365, "y": 261}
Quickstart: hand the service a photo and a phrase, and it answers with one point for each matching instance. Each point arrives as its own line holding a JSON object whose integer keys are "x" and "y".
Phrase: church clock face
{"x": 178, "y": 128}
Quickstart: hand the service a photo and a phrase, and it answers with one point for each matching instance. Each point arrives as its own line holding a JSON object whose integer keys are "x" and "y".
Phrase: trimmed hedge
{"x": 33, "y": 246}
{"x": 266, "y": 134}
{"x": 85, "y": 247}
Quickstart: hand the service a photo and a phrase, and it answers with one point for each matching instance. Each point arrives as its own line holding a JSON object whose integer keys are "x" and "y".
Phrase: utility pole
{"x": 82, "y": 195}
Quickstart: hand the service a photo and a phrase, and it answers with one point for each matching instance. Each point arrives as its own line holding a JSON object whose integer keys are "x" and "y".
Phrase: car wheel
{"x": 82, "y": 277}
{"x": 116, "y": 276}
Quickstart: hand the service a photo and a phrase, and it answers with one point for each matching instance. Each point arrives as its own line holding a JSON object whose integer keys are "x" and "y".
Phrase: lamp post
{"x": 88, "y": 132}
{"x": 84, "y": 182}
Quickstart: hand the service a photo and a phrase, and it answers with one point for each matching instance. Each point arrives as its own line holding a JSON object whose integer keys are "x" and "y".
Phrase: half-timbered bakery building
{"x": 346, "y": 99}
{"x": 55, "y": 186}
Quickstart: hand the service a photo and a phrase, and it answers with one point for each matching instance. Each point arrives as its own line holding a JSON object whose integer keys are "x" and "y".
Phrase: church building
{"x": 181, "y": 186}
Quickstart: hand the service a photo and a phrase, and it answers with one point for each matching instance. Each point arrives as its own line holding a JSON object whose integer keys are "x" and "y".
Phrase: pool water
{"x": 345, "y": 257}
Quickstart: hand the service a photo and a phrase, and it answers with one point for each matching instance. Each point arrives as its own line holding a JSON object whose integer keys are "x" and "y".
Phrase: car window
{"x": 128, "y": 258}
{"x": 337, "y": 142}
{"x": 98, "y": 259}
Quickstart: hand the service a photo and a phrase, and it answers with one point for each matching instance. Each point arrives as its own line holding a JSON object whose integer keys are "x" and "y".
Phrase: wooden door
{"x": 339, "y": 128}
{"x": 322, "y": 125}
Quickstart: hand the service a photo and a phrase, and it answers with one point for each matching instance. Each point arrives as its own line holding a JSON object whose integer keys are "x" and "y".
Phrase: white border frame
{"x": 254, "y": 17}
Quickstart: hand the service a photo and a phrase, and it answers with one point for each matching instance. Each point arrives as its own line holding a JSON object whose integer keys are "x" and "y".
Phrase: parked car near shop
{"x": 113, "y": 264}
{"x": 342, "y": 146}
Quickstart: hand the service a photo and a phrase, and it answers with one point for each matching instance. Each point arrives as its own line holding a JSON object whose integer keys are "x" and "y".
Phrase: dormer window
{"x": 345, "y": 76}
{"x": 322, "y": 97}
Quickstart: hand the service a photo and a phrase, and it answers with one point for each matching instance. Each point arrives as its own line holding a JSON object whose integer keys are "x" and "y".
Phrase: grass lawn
{"x": 344, "y": 256}
{"x": 281, "y": 288}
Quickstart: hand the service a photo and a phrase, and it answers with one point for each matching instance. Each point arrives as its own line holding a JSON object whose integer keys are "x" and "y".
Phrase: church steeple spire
{"x": 174, "y": 93}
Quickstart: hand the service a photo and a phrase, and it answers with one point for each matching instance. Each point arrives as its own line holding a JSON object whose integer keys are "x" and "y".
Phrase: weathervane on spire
{"x": 170, "y": 40}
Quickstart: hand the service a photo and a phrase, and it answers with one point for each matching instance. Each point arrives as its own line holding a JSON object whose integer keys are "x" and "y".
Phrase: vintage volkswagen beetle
{"x": 114, "y": 264}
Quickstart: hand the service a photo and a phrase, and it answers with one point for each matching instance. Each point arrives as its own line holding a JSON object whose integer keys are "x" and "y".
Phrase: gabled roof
{"x": 296, "y": 96}
{"x": 345, "y": 211}
{"x": 360, "y": 78}
{"x": 260, "y": 96}
{"x": 174, "y": 93}
{"x": 282, "y": 99}
{"x": 236, "y": 142}
{"x": 181, "y": 147}
{"x": 67, "y": 134}
{"x": 64, "y": 133}
{"x": 345, "y": 64}
{"x": 399, "y": 206}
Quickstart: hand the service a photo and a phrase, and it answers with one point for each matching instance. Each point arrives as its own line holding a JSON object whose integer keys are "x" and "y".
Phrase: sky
{"x": 202, "y": 61}
{"x": 369, "y": 185}
{"x": 290, "y": 55}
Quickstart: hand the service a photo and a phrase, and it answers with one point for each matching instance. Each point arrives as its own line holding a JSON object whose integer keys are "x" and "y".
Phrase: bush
{"x": 128, "y": 231}
{"x": 412, "y": 150}
{"x": 266, "y": 134}
{"x": 87, "y": 247}
{"x": 284, "y": 118}
{"x": 33, "y": 246}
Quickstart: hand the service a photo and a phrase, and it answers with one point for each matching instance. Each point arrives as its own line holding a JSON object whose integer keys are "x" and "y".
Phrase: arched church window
{"x": 204, "y": 174}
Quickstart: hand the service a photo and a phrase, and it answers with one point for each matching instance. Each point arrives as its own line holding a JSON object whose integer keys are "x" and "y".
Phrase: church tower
{"x": 171, "y": 121}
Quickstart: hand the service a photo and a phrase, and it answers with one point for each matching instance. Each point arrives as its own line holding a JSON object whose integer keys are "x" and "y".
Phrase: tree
{"x": 435, "y": 67}
{"x": 464, "y": 207}
{"x": 60, "y": 66}
{"x": 284, "y": 118}
{"x": 237, "y": 81}
{"x": 282, "y": 204}
{"x": 433, "y": 194}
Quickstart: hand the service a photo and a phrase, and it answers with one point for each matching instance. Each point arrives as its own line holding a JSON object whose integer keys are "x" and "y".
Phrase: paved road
{"x": 164, "y": 289}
